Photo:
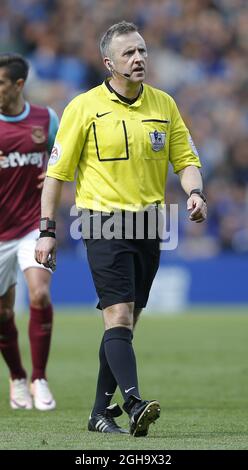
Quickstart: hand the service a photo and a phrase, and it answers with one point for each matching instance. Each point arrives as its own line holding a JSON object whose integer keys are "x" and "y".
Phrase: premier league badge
{"x": 157, "y": 140}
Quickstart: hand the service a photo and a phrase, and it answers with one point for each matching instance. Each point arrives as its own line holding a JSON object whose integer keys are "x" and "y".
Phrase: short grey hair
{"x": 118, "y": 29}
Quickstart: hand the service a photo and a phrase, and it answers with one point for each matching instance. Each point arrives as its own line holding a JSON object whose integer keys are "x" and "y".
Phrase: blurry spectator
{"x": 239, "y": 162}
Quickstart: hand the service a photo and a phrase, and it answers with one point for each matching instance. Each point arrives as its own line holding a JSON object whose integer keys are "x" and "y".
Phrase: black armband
{"x": 47, "y": 234}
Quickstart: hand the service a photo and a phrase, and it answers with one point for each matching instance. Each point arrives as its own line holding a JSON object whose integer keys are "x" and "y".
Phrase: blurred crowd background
{"x": 198, "y": 53}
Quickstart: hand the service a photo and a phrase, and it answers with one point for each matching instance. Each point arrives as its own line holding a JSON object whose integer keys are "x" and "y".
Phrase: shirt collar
{"x": 114, "y": 96}
{"x": 18, "y": 117}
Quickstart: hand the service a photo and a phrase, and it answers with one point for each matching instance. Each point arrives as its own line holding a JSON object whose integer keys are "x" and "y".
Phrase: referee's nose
{"x": 138, "y": 58}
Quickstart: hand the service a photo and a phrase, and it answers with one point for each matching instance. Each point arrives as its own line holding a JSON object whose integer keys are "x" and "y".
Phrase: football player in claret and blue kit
{"x": 27, "y": 134}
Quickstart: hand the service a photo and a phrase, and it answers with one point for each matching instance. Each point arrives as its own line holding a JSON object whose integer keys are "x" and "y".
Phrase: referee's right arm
{"x": 50, "y": 197}
{"x": 45, "y": 251}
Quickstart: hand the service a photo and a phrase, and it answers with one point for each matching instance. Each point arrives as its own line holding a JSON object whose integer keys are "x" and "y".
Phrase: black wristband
{"x": 46, "y": 224}
{"x": 47, "y": 234}
{"x": 200, "y": 193}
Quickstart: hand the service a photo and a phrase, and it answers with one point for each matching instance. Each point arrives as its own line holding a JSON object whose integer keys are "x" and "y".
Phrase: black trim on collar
{"x": 123, "y": 98}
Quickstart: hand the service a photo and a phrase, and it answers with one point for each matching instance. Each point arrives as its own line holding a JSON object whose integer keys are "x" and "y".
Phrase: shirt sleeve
{"x": 68, "y": 144}
{"x": 53, "y": 128}
{"x": 182, "y": 149}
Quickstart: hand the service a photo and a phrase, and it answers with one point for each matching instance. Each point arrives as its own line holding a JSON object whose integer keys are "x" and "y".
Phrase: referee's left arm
{"x": 191, "y": 182}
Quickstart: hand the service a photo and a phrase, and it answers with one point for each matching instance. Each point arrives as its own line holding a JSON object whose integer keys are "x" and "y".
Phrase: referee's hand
{"x": 198, "y": 208}
{"x": 45, "y": 252}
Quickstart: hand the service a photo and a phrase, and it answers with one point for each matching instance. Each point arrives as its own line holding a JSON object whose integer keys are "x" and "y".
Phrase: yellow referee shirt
{"x": 121, "y": 152}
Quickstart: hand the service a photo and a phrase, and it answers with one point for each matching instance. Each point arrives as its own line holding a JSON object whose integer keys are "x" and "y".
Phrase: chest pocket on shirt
{"x": 111, "y": 140}
{"x": 155, "y": 138}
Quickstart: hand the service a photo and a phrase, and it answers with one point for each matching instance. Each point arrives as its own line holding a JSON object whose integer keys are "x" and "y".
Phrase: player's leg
{"x": 112, "y": 266}
{"x": 19, "y": 393}
{"x": 121, "y": 358}
{"x": 142, "y": 412}
{"x": 100, "y": 260}
{"x": 40, "y": 332}
{"x": 136, "y": 315}
{"x": 9, "y": 335}
{"x": 118, "y": 320}
{"x": 106, "y": 383}
{"x": 117, "y": 361}
{"x": 134, "y": 267}
{"x": 41, "y": 320}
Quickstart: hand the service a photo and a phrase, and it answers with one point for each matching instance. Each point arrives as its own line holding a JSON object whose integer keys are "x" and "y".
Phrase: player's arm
{"x": 52, "y": 131}
{"x": 185, "y": 161}
{"x": 45, "y": 252}
{"x": 191, "y": 182}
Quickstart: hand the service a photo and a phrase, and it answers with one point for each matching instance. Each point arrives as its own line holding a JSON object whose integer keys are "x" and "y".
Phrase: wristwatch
{"x": 200, "y": 193}
{"x": 47, "y": 224}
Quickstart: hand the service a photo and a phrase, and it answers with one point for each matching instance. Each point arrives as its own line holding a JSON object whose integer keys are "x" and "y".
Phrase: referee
{"x": 120, "y": 137}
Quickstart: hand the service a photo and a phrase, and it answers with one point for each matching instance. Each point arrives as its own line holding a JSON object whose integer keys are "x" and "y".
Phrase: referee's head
{"x": 124, "y": 52}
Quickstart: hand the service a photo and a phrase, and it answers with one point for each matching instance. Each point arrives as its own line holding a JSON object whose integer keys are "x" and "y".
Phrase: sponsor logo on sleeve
{"x": 55, "y": 154}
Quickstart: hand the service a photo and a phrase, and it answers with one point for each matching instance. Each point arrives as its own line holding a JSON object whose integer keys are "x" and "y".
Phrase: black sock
{"x": 121, "y": 358}
{"x": 106, "y": 383}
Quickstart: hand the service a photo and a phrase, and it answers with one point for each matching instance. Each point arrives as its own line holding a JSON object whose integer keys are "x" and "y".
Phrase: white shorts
{"x": 16, "y": 252}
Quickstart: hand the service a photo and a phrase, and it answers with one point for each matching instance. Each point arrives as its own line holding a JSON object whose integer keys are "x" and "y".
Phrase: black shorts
{"x": 122, "y": 269}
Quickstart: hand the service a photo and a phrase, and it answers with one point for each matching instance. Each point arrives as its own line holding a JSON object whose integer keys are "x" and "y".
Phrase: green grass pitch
{"x": 195, "y": 365}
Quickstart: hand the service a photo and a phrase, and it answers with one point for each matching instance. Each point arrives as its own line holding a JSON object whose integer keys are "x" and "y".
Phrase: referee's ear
{"x": 108, "y": 63}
